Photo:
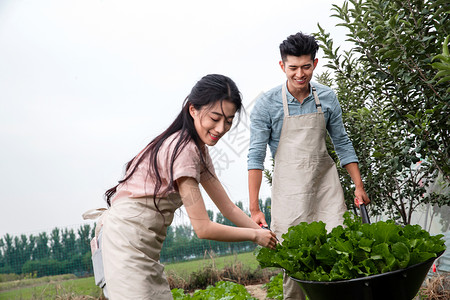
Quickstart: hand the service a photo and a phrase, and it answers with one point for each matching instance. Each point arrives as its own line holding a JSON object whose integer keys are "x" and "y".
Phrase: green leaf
{"x": 444, "y": 58}
{"x": 391, "y": 54}
{"x": 440, "y": 66}
{"x": 366, "y": 244}
{"x": 442, "y": 73}
{"x": 377, "y": 154}
{"x": 401, "y": 253}
{"x": 443, "y": 80}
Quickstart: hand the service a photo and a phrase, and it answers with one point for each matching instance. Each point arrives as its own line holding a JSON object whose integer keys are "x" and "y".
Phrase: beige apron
{"x": 305, "y": 182}
{"x": 133, "y": 235}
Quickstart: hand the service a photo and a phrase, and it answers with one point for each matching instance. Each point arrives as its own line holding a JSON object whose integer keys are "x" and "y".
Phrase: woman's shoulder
{"x": 175, "y": 141}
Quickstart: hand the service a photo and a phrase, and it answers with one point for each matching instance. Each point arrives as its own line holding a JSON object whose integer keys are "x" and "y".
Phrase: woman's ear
{"x": 192, "y": 111}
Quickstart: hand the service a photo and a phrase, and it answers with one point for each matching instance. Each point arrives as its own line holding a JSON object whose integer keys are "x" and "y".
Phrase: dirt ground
{"x": 257, "y": 291}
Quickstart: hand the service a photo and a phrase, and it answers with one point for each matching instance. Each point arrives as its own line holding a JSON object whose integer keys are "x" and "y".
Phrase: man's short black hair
{"x": 299, "y": 44}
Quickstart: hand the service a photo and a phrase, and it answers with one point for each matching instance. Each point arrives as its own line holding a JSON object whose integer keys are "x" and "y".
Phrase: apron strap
{"x": 316, "y": 99}
{"x": 93, "y": 214}
{"x": 285, "y": 104}
{"x": 96, "y": 213}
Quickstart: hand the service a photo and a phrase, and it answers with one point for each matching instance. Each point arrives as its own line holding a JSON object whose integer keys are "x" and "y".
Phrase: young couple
{"x": 293, "y": 119}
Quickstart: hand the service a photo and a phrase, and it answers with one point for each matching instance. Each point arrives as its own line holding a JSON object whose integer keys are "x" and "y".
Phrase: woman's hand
{"x": 266, "y": 238}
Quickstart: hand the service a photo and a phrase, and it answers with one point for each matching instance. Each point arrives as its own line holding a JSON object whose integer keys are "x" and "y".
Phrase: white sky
{"x": 85, "y": 84}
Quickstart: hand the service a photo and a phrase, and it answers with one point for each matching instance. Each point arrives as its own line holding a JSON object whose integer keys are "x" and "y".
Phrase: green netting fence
{"x": 68, "y": 250}
{"x": 64, "y": 251}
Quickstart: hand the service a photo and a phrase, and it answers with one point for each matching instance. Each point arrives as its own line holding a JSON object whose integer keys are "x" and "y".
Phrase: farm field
{"x": 55, "y": 288}
{"x": 70, "y": 287}
{"x": 185, "y": 268}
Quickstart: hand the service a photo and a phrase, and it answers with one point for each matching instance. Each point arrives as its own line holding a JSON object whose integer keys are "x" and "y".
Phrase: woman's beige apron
{"x": 132, "y": 238}
{"x": 305, "y": 181}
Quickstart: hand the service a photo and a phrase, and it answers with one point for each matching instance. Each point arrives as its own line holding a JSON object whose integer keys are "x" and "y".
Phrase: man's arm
{"x": 254, "y": 184}
{"x": 260, "y": 130}
{"x": 360, "y": 193}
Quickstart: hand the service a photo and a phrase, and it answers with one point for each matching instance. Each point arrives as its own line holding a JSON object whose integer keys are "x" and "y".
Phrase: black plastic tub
{"x": 403, "y": 284}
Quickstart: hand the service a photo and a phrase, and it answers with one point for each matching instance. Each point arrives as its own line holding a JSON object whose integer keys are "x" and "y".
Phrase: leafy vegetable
{"x": 224, "y": 290}
{"x": 275, "y": 287}
{"x": 354, "y": 250}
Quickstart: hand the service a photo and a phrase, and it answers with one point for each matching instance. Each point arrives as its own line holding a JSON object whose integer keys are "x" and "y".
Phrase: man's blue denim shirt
{"x": 266, "y": 121}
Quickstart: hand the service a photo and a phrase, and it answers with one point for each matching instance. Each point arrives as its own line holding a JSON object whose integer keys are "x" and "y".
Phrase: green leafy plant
{"x": 444, "y": 65}
{"x": 354, "y": 250}
{"x": 222, "y": 290}
{"x": 178, "y": 294}
{"x": 275, "y": 287}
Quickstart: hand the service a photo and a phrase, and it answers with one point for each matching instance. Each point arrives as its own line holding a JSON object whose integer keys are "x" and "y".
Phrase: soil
{"x": 257, "y": 291}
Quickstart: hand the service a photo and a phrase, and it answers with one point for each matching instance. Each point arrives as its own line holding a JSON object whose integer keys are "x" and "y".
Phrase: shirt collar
{"x": 291, "y": 98}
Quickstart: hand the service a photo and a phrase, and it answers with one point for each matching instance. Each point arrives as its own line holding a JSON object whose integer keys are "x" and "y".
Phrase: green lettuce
{"x": 351, "y": 251}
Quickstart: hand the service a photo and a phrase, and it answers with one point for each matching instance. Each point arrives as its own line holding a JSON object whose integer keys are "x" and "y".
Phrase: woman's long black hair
{"x": 206, "y": 92}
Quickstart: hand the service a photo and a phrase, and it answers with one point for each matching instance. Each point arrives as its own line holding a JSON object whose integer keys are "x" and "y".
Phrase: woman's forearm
{"x": 206, "y": 229}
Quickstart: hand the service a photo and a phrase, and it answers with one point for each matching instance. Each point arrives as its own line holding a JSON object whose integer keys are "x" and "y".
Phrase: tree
{"x": 84, "y": 238}
{"x": 210, "y": 214}
{"x": 55, "y": 245}
{"x": 19, "y": 252}
{"x": 395, "y": 113}
{"x": 183, "y": 232}
{"x": 2, "y": 257}
{"x": 68, "y": 243}
{"x": 222, "y": 220}
{"x": 42, "y": 250}
{"x": 266, "y": 209}
{"x": 8, "y": 252}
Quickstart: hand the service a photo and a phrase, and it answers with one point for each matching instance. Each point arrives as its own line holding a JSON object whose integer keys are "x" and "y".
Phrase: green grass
{"x": 8, "y": 285}
{"x": 54, "y": 289}
{"x": 183, "y": 269}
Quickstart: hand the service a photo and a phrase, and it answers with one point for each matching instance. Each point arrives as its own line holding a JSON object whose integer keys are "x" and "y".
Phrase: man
{"x": 293, "y": 119}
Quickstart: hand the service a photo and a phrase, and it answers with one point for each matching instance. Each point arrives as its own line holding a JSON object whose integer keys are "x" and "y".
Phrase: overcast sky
{"x": 84, "y": 85}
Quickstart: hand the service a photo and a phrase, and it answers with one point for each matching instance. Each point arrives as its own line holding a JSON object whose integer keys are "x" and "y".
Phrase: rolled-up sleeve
{"x": 342, "y": 144}
{"x": 260, "y": 130}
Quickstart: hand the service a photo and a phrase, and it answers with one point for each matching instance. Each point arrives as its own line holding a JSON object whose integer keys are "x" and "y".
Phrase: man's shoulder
{"x": 321, "y": 87}
{"x": 324, "y": 91}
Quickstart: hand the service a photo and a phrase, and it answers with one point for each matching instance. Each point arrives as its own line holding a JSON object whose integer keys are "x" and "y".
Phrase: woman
{"x": 163, "y": 176}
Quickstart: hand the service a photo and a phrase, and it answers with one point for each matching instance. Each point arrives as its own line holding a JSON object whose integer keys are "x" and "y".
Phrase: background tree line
{"x": 60, "y": 252}
{"x": 64, "y": 251}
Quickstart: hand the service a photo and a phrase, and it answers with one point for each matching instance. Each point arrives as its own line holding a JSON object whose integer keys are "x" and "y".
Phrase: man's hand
{"x": 259, "y": 218}
{"x": 361, "y": 197}
{"x": 360, "y": 193}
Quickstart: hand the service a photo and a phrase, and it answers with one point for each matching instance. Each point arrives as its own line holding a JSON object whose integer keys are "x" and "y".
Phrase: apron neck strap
{"x": 285, "y": 104}
{"x": 316, "y": 99}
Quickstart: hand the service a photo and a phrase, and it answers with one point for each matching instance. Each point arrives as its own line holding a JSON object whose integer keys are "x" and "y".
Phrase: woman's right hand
{"x": 266, "y": 238}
